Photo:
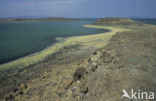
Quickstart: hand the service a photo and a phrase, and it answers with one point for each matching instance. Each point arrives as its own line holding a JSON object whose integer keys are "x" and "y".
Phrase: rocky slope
{"x": 126, "y": 62}
{"x": 116, "y": 21}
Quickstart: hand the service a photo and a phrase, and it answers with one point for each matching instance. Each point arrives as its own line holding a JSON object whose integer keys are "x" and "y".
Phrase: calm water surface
{"x": 18, "y": 39}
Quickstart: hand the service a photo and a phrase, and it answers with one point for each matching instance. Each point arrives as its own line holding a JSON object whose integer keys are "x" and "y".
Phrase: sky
{"x": 78, "y": 8}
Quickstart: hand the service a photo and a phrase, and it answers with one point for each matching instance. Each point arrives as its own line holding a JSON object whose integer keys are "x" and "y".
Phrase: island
{"x": 34, "y": 19}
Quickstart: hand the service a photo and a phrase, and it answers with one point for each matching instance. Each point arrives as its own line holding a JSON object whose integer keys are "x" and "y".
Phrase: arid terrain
{"x": 89, "y": 68}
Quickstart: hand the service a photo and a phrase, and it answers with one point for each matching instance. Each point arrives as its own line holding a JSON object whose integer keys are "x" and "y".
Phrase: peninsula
{"x": 86, "y": 68}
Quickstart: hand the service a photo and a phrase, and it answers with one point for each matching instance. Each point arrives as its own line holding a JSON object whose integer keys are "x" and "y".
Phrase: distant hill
{"x": 116, "y": 21}
{"x": 35, "y": 19}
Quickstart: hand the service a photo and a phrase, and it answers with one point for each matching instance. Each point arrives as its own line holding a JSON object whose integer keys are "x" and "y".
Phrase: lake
{"x": 18, "y": 39}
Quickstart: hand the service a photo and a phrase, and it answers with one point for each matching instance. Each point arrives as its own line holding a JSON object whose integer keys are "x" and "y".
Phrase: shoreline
{"x": 58, "y": 39}
{"x": 87, "y": 65}
{"x": 43, "y": 54}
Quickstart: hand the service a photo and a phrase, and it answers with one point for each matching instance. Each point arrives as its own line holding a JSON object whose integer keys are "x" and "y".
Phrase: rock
{"x": 60, "y": 92}
{"x": 106, "y": 57}
{"x": 78, "y": 73}
{"x": 8, "y": 99}
{"x": 78, "y": 82}
{"x": 84, "y": 89}
{"x": 68, "y": 83}
{"x": 116, "y": 21}
{"x": 22, "y": 86}
{"x": 94, "y": 68}
{"x": 15, "y": 89}
{"x": 20, "y": 92}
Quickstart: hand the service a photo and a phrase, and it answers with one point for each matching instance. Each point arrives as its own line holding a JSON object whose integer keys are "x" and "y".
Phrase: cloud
{"x": 40, "y": 7}
{"x": 56, "y": 7}
{"x": 42, "y": 3}
{"x": 56, "y": 4}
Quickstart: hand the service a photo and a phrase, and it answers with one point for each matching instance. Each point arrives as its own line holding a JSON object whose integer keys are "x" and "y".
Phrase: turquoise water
{"x": 18, "y": 39}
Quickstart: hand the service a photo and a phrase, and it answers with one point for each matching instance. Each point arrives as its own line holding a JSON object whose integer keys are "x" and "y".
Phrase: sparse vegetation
{"x": 116, "y": 21}
{"x": 88, "y": 68}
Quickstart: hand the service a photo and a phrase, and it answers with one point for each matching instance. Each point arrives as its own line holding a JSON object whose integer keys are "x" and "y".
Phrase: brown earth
{"x": 126, "y": 62}
{"x": 116, "y": 21}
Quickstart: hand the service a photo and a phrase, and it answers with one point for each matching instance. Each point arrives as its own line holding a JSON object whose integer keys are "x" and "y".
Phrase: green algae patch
{"x": 96, "y": 41}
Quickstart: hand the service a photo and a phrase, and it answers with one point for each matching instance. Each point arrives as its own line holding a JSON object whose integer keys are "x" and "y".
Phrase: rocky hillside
{"x": 126, "y": 62}
{"x": 116, "y": 21}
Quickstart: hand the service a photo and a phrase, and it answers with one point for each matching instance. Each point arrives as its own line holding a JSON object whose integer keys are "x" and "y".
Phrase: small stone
{"x": 78, "y": 73}
{"x": 68, "y": 83}
{"x": 23, "y": 86}
{"x": 74, "y": 87}
{"x": 78, "y": 81}
{"x": 60, "y": 92}
{"x": 84, "y": 89}
{"x": 94, "y": 68}
{"x": 15, "y": 90}
{"x": 20, "y": 92}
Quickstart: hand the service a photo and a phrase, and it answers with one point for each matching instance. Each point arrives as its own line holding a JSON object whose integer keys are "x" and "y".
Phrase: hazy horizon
{"x": 29, "y": 17}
